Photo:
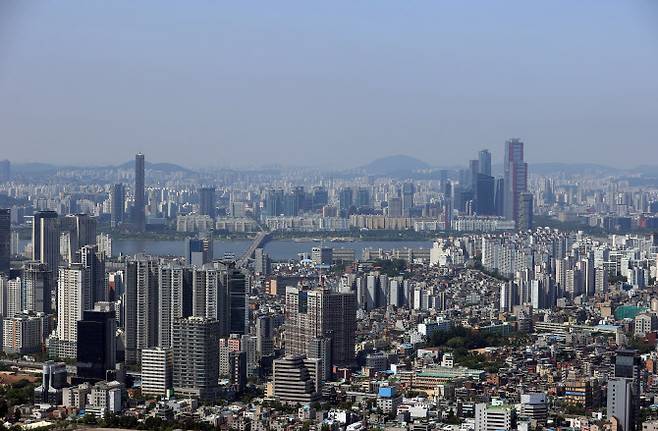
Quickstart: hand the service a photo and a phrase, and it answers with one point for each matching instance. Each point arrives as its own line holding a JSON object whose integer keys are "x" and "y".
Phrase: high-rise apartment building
{"x": 175, "y": 299}
{"x": 312, "y": 314}
{"x": 516, "y": 178}
{"x": 195, "y": 350}
{"x": 5, "y": 240}
{"x": 73, "y": 297}
{"x": 141, "y": 306}
{"x": 525, "y": 221}
{"x": 139, "y": 214}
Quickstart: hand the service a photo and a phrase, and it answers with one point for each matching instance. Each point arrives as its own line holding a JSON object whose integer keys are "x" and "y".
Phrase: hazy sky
{"x": 334, "y": 83}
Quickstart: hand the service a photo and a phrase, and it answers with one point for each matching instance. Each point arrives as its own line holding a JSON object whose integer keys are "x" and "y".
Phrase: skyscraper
{"x": 73, "y": 297}
{"x": 516, "y": 178}
{"x": 525, "y": 220}
{"x": 94, "y": 261}
{"x": 484, "y": 195}
{"x": 236, "y": 283}
{"x": 196, "y": 357}
{"x": 141, "y": 306}
{"x": 207, "y": 201}
{"x": 139, "y": 215}
{"x": 81, "y": 231}
{"x": 118, "y": 203}
{"x": 345, "y": 199}
{"x": 5, "y": 170}
{"x": 37, "y": 287}
{"x": 624, "y": 391}
{"x": 484, "y": 162}
{"x": 174, "y": 297}
{"x": 45, "y": 241}
{"x": 408, "y": 190}
{"x": 96, "y": 351}
{"x": 5, "y": 240}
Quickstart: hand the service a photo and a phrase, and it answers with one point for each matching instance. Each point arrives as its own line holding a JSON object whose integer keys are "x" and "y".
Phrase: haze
{"x": 331, "y": 84}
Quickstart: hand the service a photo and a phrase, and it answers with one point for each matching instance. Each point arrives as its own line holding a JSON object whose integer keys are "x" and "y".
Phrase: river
{"x": 277, "y": 249}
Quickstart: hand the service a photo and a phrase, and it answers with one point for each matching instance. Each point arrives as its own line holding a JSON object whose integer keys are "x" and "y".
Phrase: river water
{"x": 277, "y": 249}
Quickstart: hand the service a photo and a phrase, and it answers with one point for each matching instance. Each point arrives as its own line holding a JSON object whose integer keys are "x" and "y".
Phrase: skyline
{"x": 281, "y": 85}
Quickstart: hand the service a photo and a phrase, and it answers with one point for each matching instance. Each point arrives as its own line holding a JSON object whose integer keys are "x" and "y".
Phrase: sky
{"x": 328, "y": 84}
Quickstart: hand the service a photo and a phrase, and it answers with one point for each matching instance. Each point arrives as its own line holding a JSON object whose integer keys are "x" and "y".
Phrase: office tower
{"x": 232, "y": 300}
{"x": 264, "y": 336}
{"x": 345, "y": 199}
{"x": 525, "y": 219}
{"x": 589, "y": 275}
{"x": 273, "y": 203}
{"x": 484, "y": 195}
{"x": 295, "y": 379}
{"x": 194, "y": 252}
{"x": 494, "y": 417}
{"x": 534, "y": 406}
{"x": 73, "y": 297}
{"x": 157, "y": 371}
{"x": 516, "y": 178}
{"x": 499, "y": 197}
{"x": 262, "y": 263}
{"x": 408, "y": 190}
{"x": 5, "y": 240}
{"x": 37, "y": 288}
{"x": 320, "y": 348}
{"x": 53, "y": 381}
{"x": 97, "y": 347}
{"x": 624, "y": 391}
{"x": 363, "y": 197}
{"x": 395, "y": 207}
{"x": 322, "y": 255}
{"x": 141, "y": 306}
{"x": 94, "y": 261}
{"x": 45, "y": 241}
{"x": 484, "y": 162}
{"x": 117, "y": 204}
{"x": 5, "y": 170}
{"x": 195, "y": 350}
{"x": 320, "y": 197}
{"x": 320, "y": 313}
{"x": 473, "y": 172}
{"x": 139, "y": 215}
{"x": 207, "y": 201}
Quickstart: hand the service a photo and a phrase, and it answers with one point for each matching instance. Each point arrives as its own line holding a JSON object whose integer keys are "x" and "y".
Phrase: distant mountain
{"x": 33, "y": 168}
{"x": 393, "y": 165}
{"x": 164, "y": 167}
